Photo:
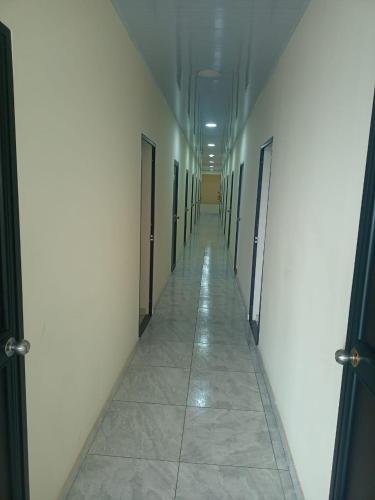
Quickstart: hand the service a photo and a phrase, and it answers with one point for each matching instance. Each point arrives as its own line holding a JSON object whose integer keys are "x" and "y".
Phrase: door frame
{"x": 226, "y": 202}
{"x": 147, "y": 318}
{"x": 17, "y": 400}
{"x": 230, "y": 208}
{"x": 186, "y": 203}
{"x": 240, "y": 180}
{"x": 192, "y": 203}
{"x": 176, "y": 168}
{"x": 254, "y": 326}
{"x": 362, "y": 269}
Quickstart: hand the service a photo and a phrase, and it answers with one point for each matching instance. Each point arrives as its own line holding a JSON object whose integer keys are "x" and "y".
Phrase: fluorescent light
{"x": 211, "y": 166}
{"x": 211, "y": 145}
{"x": 211, "y": 156}
{"x": 211, "y": 125}
{"x": 211, "y": 161}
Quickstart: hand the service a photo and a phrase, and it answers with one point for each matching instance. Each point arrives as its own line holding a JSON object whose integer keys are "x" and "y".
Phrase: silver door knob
{"x": 20, "y": 348}
{"x": 343, "y": 358}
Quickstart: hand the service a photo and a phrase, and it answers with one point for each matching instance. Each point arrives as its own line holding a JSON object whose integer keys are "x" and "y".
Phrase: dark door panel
{"x": 192, "y": 204}
{"x": 186, "y": 210}
{"x": 174, "y": 215}
{"x": 148, "y": 170}
{"x": 353, "y": 474}
{"x": 230, "y": 208}
{"x": 13, "y": 440}
{"x": 238, "y": 217}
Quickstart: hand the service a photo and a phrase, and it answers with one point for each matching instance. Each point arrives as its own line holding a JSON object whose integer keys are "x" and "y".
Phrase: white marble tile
{"x": 117, "y": 478}
{"x": 212, "y": 482}
{"x": 140, "y": 430}
{"x": 154, "y": 384}
{"x": 227, "y": 437}
{"x": 219, "y": 389}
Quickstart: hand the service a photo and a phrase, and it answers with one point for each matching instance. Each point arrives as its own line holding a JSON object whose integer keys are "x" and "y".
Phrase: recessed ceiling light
{"x": 211, "y": 125}
{"x": 211, "y": 156}
{"x": 211, "y": 145}
{"x": 209, "y": 73}
{"x": 211, "y": 161}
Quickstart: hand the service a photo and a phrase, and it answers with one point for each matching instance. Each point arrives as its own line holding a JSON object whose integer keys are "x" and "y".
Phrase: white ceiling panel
{"x": 241, "y": 40}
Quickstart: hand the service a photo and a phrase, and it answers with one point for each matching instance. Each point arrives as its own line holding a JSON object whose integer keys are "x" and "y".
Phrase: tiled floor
{"x": 192, "y": 419}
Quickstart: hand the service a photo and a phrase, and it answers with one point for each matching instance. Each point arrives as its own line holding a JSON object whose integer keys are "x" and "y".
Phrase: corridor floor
{"x": 191, "y": 419}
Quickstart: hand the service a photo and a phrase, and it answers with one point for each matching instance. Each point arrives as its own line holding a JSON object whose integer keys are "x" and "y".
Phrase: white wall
{"x": 83, "y": 97}
{"x": 317, "y": 106}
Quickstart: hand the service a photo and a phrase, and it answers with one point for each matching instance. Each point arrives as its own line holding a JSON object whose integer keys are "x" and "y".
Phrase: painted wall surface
{"x": 210, "y": 189}
{"x": 317, "y": 106}
{"x": 83, "y": 97}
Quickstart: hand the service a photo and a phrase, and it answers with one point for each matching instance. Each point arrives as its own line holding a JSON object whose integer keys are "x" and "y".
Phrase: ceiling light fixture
{"x": 211, "y": 156}
{"x": 211, "y": 125}
{"x": 211, "y": 145}
{"x": 208, "y": 73}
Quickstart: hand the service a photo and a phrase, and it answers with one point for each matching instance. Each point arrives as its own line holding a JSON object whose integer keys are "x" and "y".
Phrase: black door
{"x": 230, "y": 207}
{"x": 238, "y": 217}
{"x": 226, "y": 203}
{"x": 264, "y": 177}
{"x": 222, "y": 200}
{"x": 192, "y": 204}
{"x": 13, "y": 448}
{"x": 150, "y": 236}
{"x": 353, "y": 475}
{"x": 174, "y": 214}
{"x": 186, "y": 204}
{"x": 196, "y": 200}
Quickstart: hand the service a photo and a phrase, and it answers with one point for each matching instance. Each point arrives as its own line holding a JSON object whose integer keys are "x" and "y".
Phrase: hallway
{"x": 192, "y": 407}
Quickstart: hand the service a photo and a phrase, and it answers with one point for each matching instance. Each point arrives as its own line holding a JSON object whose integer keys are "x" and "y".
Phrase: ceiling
{"x": 238, "y": 41}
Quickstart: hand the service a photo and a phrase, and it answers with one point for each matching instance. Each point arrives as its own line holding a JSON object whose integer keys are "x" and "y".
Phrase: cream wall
{"x": 317, "y": 106}
{"x": 83, "y": 97}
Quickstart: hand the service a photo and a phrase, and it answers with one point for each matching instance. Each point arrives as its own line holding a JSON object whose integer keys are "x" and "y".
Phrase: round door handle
{"x": 343, "y": 358}
{"x": 20, "y": 348}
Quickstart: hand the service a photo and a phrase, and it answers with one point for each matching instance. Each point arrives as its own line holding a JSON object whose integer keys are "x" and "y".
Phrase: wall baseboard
{"x": 288, "y": 455}
{"x": 90, "y": 438}
{"x": 285, "y": 461}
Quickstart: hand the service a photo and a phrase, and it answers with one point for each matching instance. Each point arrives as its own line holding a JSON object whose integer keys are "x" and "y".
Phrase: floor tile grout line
{"x": 184, "y": 462}
{"x": 188, "y": 389}
{"x": 189, "y": 406}
{"x": 187, "y": 395}
{"x": 271, "y": 440}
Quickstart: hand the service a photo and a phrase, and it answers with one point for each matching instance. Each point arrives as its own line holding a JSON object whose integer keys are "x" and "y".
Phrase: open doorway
{"x": 264, "y": 178}
{"x": 238, "y": 218}
{"x": 147, "y": 223}
{"x": 175, "y": 216}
